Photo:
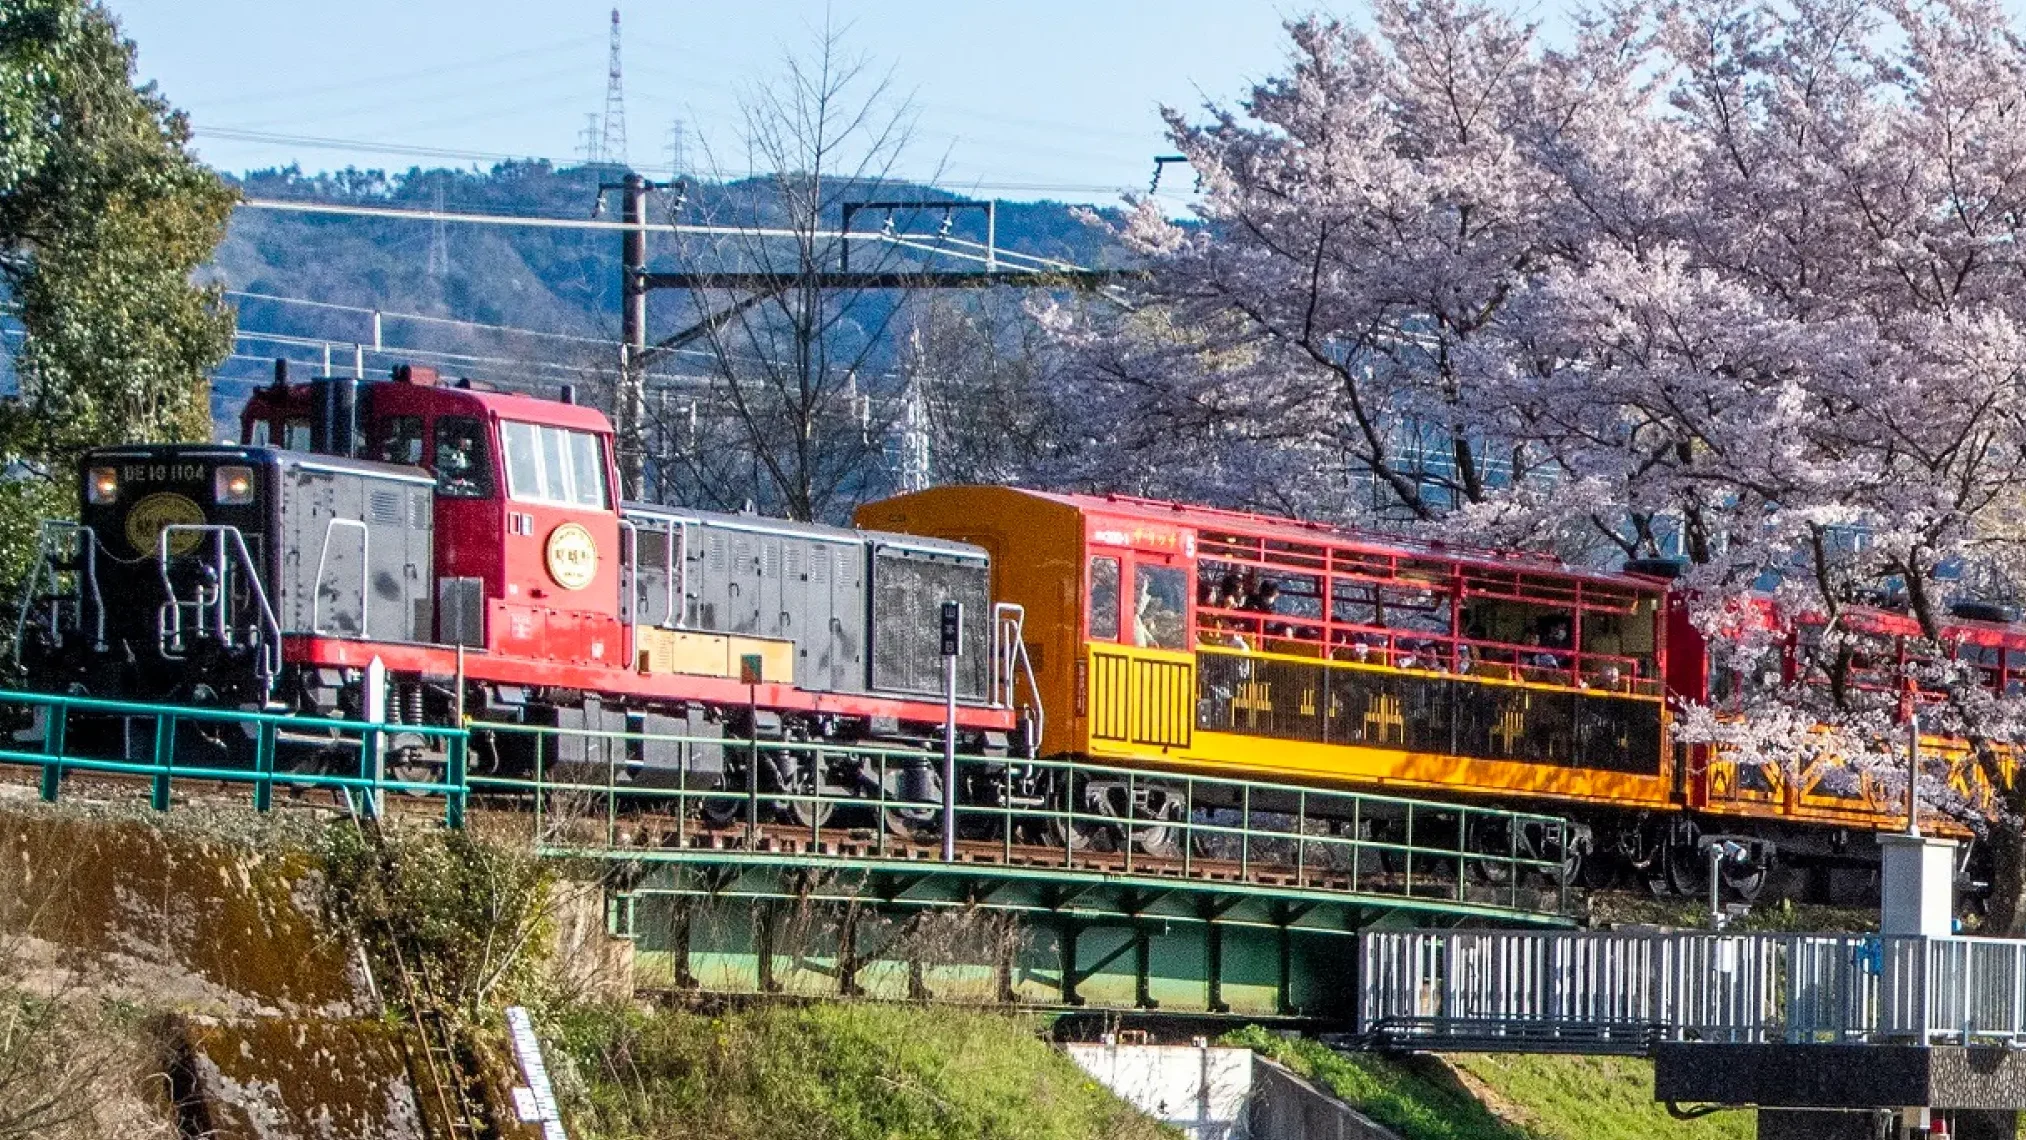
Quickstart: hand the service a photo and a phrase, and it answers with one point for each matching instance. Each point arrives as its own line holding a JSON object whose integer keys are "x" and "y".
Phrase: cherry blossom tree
{"x": 1734, "y": 277}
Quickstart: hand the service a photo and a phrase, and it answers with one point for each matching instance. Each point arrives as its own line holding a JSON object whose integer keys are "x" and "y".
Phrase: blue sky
{"x": 1034, "y": 98}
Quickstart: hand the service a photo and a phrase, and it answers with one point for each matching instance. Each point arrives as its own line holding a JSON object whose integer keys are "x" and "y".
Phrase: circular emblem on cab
{"x": 152, "y": 515}
{"x": 573, "y": 556}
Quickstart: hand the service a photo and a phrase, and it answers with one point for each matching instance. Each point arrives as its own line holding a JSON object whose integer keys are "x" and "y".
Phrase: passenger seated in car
{"x": 1215, "y": 629}
{"x": 1265, "y": 599}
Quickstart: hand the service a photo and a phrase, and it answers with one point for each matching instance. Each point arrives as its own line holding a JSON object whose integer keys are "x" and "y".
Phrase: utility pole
{"x": 630, "y": 401}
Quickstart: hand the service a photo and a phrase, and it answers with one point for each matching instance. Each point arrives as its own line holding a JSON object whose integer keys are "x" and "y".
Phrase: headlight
{"x": 232, "y": 486}
{"x": 102, "y": 485}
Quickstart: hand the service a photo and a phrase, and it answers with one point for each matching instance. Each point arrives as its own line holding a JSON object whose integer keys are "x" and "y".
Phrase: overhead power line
{"x": 400, "y": 213}
{"x": 414, "y": 150}
{"x": 423, "y": 318}
{"x": 918, "y": 243}
{"x": 236, "y": 134}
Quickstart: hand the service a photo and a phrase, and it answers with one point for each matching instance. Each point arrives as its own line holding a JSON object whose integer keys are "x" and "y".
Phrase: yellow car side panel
{"x": 1132, "y": 710}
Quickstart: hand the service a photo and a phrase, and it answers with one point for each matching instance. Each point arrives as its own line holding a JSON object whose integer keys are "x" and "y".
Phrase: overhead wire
{"x": 414, "y": 150}
{"x": 430, "y": 215}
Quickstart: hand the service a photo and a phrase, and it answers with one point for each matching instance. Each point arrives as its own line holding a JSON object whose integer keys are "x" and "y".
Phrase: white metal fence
{"x": 1625, "y": 992}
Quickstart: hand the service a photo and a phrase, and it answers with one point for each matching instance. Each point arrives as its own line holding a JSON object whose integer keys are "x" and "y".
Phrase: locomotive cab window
{"x": 1160, "y": 607}
{"x": 1104, "y": 598}
{"x": 295, "y": 434}
{"x": 552, "y": 465}
{"x": 259, "y": 433}
{"x": 399, "y": 441}
{"x": 463, "y": 469}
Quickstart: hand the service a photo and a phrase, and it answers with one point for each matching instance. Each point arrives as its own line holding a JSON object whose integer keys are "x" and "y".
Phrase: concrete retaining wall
{"x": 1211, "y": 1093}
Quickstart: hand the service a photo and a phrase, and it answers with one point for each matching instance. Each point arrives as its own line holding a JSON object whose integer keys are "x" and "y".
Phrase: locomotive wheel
{"x": 719, "y": 811}
{"x": 912, "y": 825}
{"x": 1575, "y": 867}
{"x": 1685, "y": 870}
{"x": 1162, "y": 840}
{"x": 1072, "y": 834}
{"x": 803, "y": 780}
{"x": 1493, "y": 839}
{"x": 416, "y": 771}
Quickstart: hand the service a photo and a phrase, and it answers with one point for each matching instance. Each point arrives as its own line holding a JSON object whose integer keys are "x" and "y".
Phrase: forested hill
{"x": 551, "y": 280}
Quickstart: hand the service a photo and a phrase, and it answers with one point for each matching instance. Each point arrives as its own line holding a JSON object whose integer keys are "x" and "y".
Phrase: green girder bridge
{"x": 1240, "y": 899}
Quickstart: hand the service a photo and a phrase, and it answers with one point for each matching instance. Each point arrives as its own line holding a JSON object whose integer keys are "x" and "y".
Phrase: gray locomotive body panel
{"x": 860, "y": 606}
{"x": 355, "y": 549}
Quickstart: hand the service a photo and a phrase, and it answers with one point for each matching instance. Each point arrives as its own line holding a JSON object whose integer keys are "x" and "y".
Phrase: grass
{"x": 850, "y": 1071}
{"x": 1594, "y": 1098}
{"x": 1497, "y": 1097}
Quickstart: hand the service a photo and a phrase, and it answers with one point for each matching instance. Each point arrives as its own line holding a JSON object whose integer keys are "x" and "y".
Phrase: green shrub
{"x": 464, "y": 915}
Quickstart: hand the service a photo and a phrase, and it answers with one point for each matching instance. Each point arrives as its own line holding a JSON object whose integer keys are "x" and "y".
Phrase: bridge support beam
{"x": 1843, "y": 1092}
{"x": 1881, "y": 1124}
{"x": 733, "y": 928}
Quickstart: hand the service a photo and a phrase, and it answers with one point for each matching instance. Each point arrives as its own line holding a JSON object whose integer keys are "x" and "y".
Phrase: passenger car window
{"x": 463, "y": 469}
{"x": 1160, "y": 607}
{"x": 554, "y": 465}
{"x": 1104, "y": 598}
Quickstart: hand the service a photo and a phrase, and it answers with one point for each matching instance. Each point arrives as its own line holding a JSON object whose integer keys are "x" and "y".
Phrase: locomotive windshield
{"x": 459, "y": 459}
{"x": 553, "y": 465}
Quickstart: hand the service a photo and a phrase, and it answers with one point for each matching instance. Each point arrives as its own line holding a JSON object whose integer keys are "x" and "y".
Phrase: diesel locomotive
{"x": 466, "y": 551}
{"x": 470, "y": 547}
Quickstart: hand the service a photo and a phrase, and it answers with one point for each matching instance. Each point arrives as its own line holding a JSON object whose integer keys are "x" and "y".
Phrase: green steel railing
{"x": 1239, "y": 830}
{"x": 155, "y": 741}
{"x": 1145, "y": 823}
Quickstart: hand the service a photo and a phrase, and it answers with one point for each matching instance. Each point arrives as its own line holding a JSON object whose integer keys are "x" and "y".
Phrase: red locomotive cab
{"x": 527, "y": 522}
{"x": 560, "y": 558}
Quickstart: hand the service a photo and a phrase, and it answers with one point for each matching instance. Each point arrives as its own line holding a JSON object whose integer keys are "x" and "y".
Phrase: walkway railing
{"x": 168, "y": 743}
{"x": 1230, "y": 830}
{"x": 589, "y": 792}
{"x": 1622, "y": 992}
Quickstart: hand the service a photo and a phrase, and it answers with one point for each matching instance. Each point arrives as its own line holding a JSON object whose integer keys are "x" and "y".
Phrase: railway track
{"x": 1270, "y": 862}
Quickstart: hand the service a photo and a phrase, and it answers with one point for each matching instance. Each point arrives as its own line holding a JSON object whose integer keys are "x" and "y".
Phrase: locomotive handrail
{"x": 267, "y": 664}
{"x": 629, "y": 592}
{"x": 365, "y": 575}
{"x": 1010, "y": 661}
{"x": 674, "y": 533}
{"x": 88, "y": 554}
